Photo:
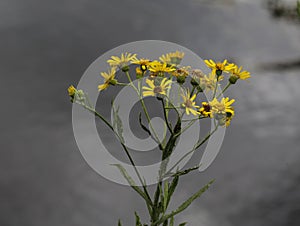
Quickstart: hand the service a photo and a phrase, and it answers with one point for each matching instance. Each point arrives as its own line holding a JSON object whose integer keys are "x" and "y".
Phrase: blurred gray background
{"x": 47, "y": 45}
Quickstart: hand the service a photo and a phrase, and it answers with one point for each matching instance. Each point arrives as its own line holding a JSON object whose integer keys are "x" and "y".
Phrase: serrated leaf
{"x": 117, "y": 124}
{"x": 137, "y": 220}
{"x": 186, "y": 204}
{"x": 132, "y": 183}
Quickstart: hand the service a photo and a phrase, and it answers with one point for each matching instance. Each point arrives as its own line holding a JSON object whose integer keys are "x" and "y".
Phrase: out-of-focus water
{"x": 47, "y": 45}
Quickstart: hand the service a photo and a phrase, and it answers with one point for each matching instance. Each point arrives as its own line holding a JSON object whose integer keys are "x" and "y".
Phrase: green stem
{"x": 196, "y": 146}
{"x": 144, "y": 107}
{"x": 225, "y": 88}
{"x": 166, "y": 116}
{"x": 126, "y": 151}
{"x": 192, "y": 92}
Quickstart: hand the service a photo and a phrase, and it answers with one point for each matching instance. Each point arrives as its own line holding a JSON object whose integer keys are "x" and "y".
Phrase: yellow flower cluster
{"x": 161, "y": 73}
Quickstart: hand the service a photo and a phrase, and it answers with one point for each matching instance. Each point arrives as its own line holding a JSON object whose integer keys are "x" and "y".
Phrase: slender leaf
{"x": 172, "y": 188}
{"x": 171, "y": 221}
{"x": 165, "y": 223}
{"x": 137, "y": 220}
{"x": 132, "y": 183}
{"x": 298, "y": 8}
{"x": 186, "y": 204}
{"x": 162, "y": 197}
{"x": 117, "y": 124}
{"x": 166, "y": 195}
{"x": 183, "y": 224}
{"x": 181, "y": 173}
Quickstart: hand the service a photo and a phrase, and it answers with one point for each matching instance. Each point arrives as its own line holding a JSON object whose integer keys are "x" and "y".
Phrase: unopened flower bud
{"x": 233, "y": 79}
{"x": 72, "y": 90}
{"x": 113, "y": 82}
{"x": 181, "y": 79}
{"x": 125, "y": 68}
{"x": 219, "y": 72}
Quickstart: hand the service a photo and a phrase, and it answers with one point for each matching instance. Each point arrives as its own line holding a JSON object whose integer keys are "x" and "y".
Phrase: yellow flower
{"x": 165, "y": 59}
{"x": 189, "y": 104}
{"x": 209, "y": 81}
{"x": 159, "y": 69}
{"x": 223, "y": 107}
{"x": 153, "y": 90}
{"x": 222, "y": 111}
{"x": 237, "y": 71}
{"x": 205, "y": 110}
{"x": 172, "y": 58}
{"x": 228, "y": 120}
{"x": 197, "y": 74}
{"x": 177, "y": 54}
{"x": 182, "y": 71}
{"x": 218, "y": 67}
{"x": 109, "y": 79}
{"x": 138, "y": 72}
{"x": 123, "y": 61}
{"x": 142, "y": 62}
{"x": 72, "y": 90}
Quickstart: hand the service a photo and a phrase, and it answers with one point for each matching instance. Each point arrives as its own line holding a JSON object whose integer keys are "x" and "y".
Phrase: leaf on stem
{"x": 172, "y": 188}
{"x": 181, "y": 173}
{"x": 166, "y": 194}
{"x": 137, "y": 220}
{"x": 171, "y": 221}
{"x": 132, "y": 183}
{"x": 117, "y": 124}
{"x": 186, "y": 204}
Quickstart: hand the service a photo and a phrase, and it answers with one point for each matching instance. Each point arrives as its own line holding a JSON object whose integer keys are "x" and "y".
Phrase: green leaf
{"x": 132, "y": 183}
{"x": 119, "y": 223}
{"x": 137, "y": 220}
{"x": 165, "y": 223}
{"x": 183, "y": 224}
{"x": 186, "y": 204}
{"x": 298, "y": 8}
{"x": 162, "y": 198}
{"x": 171, "y": 221}
{"x": 172, "y": 188}
{"x": 117, "y": 124}
{"x": 181, "y": 173}
{"x": 166, "y": 195}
